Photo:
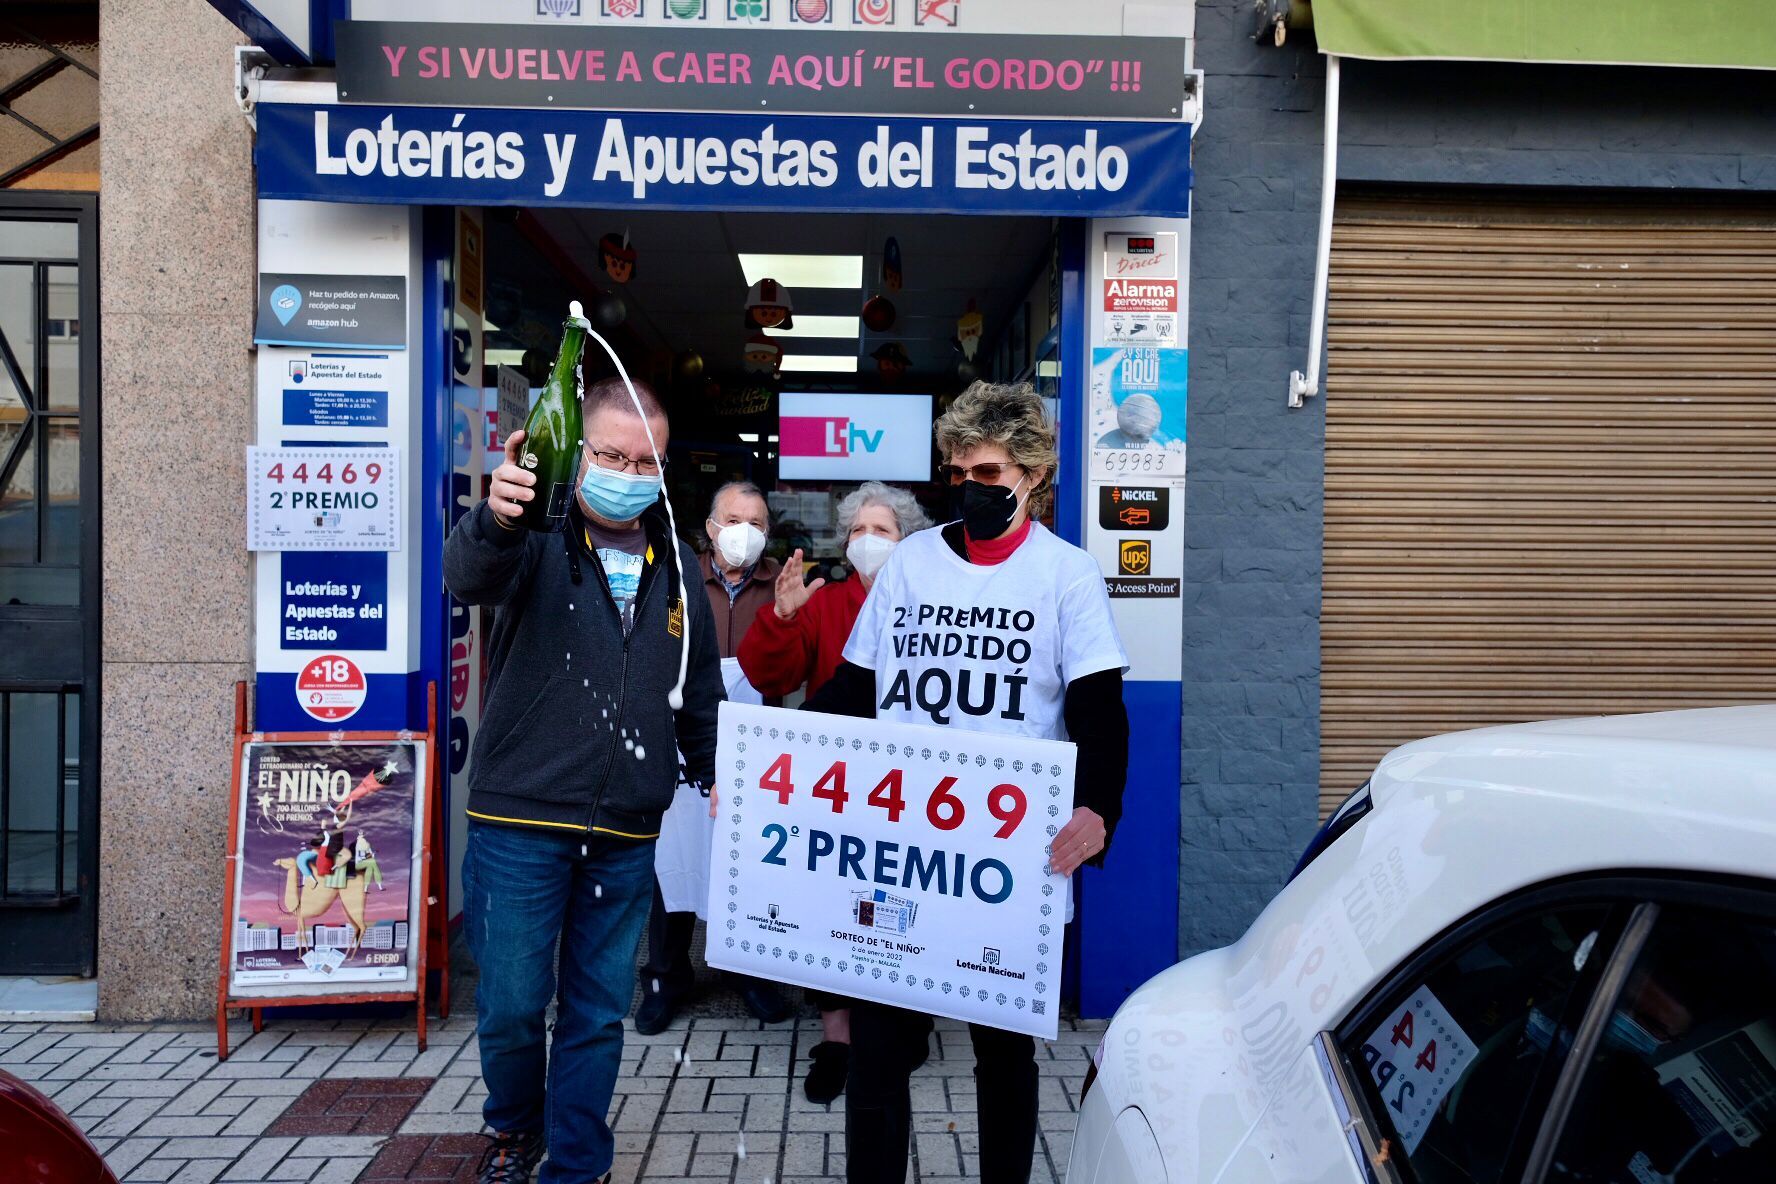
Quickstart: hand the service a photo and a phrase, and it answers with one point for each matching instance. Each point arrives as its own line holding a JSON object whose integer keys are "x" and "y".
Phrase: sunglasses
{"x": 987, "y": 474}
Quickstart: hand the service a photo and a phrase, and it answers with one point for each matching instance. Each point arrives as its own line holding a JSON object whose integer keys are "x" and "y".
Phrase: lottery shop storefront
{"x": 995, "y": 190}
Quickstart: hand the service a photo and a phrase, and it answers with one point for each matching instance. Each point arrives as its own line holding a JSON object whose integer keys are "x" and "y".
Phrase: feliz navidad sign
{"x": 896, "y": 862}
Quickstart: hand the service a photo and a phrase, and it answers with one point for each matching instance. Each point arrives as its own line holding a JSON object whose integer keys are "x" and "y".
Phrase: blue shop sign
{"x": 333, "y": 600}
{"x": 687, "y": 161}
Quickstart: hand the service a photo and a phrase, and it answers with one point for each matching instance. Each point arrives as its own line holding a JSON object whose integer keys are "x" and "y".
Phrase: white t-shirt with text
{"x": 984, "y": 648}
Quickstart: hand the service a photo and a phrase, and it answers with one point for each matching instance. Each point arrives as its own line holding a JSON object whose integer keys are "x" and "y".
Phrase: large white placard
{"x": 828, "y": 437}
{"x": 323, "y": 499}
{"x": 893, "y": 862}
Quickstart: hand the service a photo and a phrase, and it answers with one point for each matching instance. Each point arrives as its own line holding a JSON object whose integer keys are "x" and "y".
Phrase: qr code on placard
{"x": 1038, "y": 1007}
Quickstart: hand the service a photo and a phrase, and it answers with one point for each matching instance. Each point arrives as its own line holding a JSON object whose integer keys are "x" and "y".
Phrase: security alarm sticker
{"x": 1416, "y": 1056}
{"x": 1134, "y": 507}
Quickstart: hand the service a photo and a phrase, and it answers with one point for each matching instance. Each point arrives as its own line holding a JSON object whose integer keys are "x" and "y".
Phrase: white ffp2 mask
{"x": 740, "y": 544}
{"x": 867, "y": 553}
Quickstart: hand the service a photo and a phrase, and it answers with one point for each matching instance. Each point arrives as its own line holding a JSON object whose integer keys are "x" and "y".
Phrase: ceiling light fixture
{"x": 804, "y": 271}
{"x": 811, "y": 325}
{"x": 819, "y": 363}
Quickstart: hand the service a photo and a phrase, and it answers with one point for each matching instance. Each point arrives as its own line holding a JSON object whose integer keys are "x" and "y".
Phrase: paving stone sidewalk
{"x": 337, "y": 1102}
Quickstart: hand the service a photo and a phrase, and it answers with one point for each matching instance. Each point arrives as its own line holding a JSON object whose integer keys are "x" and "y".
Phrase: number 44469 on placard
{"x": 333, "y": 499}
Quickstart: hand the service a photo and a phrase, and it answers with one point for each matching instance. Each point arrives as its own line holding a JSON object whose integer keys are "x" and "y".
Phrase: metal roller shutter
{"x": 1550, "y": 467}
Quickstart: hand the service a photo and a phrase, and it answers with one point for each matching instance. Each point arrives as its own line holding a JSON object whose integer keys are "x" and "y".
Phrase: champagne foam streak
{"x": 675, "y": 698}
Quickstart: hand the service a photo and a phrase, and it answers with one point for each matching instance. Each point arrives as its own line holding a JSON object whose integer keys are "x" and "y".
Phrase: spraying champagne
{"x": 552, "y": 434}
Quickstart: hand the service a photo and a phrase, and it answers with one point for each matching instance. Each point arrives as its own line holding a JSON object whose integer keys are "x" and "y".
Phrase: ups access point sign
{"x": 1133, "y": 507}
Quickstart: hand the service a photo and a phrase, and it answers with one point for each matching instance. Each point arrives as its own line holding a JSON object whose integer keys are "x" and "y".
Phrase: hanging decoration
{"x": 878, "y": 314}
{"x": 768, "y": 306}
{"x": 892, "y": 362}
{"x": 969, "y": 327}
{"x": 687, "y": 366}
{"x": 609, "y": 311}
{"x": 617, "y": 256}
{"x": 762, "y": 356}
{"x": 891, "y": 271}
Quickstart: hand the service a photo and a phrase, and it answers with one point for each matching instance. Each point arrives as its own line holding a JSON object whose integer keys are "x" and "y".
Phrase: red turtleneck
{"x": 988, "y": 552}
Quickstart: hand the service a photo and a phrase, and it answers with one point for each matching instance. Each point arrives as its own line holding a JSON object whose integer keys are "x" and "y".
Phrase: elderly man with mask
{"x": 740, "y": 582}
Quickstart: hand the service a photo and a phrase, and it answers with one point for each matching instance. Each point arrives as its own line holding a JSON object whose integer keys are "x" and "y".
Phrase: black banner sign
{"x": 359, "y": 311}
{"x": 1134, "y": 507}
{"x": 760, "y": 70}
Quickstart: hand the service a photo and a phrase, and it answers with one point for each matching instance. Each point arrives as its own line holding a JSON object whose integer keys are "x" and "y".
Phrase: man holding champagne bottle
{"x": 574, "y": 762}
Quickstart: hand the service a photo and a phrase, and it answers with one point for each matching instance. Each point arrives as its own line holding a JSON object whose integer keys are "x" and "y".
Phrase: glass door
{"x": 49, "y": 584}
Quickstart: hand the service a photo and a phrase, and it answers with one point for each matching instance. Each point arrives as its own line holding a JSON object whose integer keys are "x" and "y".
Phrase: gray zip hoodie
{"x": 576, "y": 733}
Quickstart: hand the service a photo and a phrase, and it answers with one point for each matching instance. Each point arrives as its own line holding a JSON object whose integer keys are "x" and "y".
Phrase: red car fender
{"x": 41, "y": 1144}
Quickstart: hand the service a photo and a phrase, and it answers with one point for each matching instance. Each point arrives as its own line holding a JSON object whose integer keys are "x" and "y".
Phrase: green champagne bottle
{"x": 552, "y": 434}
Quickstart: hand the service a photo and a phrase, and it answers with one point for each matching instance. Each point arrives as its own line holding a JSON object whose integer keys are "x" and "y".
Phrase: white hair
{"x": 907, "y": 513}
{"x": 743, "y": 489}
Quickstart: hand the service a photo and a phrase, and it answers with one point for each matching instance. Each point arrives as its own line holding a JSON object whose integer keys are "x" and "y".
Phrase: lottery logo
{"x": 686, "y": 10}
{"x": 558, "y": 8}
{"x": 622, "y": 9}
{"x": 812, "y": 12}
{"x": 749, "y": 10}
{"x": 873, "y": 12}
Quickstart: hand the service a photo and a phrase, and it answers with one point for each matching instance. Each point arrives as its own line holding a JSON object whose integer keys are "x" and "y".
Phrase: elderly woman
{"x": 1000, "y": 460}
{"x": 801, "y": 644}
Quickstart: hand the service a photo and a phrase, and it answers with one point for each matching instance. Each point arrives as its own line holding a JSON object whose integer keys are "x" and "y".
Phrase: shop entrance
{"x": 49, "y": 587}
{"x": 889, "y": 314}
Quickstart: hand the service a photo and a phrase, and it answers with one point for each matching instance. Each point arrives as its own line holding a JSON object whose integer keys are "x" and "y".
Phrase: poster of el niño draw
{"x": 325, "y": 886}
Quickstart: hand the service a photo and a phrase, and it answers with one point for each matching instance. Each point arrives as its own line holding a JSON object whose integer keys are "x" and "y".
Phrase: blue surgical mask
{"x": 616, "y": 496}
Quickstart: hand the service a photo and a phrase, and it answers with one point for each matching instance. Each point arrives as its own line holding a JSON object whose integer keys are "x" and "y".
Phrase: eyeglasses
{"x": 987, "y": 474}
{"x": 617, "y": 462}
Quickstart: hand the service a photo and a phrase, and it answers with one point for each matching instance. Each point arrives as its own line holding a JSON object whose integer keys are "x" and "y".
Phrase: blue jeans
{"x": 522, "y": 890}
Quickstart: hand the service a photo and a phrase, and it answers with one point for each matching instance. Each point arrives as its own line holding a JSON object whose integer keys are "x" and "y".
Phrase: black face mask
{"x": 986, "y": 510}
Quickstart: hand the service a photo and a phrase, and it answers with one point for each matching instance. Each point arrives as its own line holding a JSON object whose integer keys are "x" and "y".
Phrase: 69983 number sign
{"x": 895, "y": 862}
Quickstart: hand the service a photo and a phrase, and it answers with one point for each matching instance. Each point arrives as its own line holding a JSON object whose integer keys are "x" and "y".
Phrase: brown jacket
{"x": 733, "y": 620}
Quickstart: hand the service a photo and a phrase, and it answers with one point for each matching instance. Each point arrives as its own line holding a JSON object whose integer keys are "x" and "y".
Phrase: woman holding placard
{"x": 800, "y": 643}
{"x": 999, "y": 459}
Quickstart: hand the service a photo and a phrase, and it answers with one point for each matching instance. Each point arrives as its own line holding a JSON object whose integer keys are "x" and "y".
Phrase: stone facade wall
{"x": 1252, "y": 558}
{"x": 176, "y": 277}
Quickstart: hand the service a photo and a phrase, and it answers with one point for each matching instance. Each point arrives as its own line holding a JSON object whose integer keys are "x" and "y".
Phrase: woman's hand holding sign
{"x": 1082, "y": 838}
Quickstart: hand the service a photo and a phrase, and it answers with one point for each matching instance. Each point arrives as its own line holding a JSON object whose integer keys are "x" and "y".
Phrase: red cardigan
{"x": 778, "y": 656}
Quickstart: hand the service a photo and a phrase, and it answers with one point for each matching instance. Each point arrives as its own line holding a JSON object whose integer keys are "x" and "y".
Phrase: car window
{"x": 1456, "y": 1061}
{"x": 1682, "y": 1088}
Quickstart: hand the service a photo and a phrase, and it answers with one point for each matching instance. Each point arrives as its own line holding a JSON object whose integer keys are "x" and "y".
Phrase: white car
{"x": 1544, "y": 952}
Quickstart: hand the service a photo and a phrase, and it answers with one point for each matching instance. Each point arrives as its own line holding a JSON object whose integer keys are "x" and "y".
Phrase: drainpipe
{"x": 1305, "y": 385}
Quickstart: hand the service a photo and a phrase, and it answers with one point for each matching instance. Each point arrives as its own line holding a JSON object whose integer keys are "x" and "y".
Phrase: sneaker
{"x": 656, "y": 1012}
{"x": 509, "y": 1159}
{"x": 826, "y": 1076}
{"x": 763, "y": 1001}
